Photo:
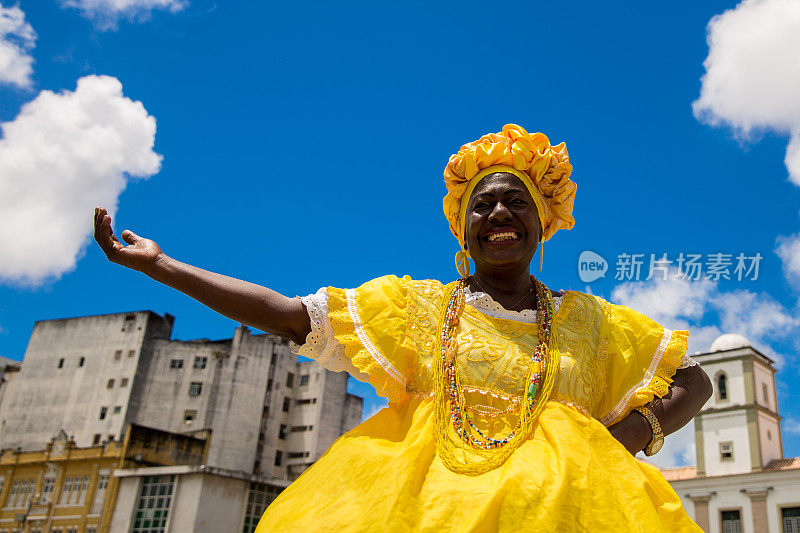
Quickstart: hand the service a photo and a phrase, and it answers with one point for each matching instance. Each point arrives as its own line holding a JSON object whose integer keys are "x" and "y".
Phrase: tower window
{"x": 195, "y": 388}
{"x": 765, "y": 393}
{"x": 61, "y": 363}
{"x": 722, "y": 386}
{"x": 289, "y": 380}
{"x": 81, "y": 361}
{"x": 304, "y": 380}
{"x": 726, "y": 451}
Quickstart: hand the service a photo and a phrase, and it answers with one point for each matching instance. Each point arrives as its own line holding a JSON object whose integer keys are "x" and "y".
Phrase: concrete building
{"x": 742, "y": 483}
{"x": 93, "y": 376}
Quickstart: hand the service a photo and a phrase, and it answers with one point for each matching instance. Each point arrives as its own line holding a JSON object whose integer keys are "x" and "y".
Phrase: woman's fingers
{"x": 103, "y": 233}
{"x": 130, "y": 237}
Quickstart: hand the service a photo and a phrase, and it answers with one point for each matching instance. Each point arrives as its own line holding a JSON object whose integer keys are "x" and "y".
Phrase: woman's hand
{"x": 239, "y": 300}
{"x": 140, "y": 254}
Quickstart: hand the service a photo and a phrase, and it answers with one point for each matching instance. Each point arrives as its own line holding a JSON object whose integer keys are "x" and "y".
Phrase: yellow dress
{"x": 571, "y": 475}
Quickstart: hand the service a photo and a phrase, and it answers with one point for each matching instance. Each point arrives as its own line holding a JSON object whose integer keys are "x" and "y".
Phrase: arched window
{"x": 722, "y": 386}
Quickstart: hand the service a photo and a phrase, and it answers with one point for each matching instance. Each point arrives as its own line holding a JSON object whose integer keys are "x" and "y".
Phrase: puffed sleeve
{"x": 643, "y": 356}
{"x": 364, "y": 331}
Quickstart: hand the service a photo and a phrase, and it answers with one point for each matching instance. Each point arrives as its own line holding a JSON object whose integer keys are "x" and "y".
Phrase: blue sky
{"x": 303, "y": 145}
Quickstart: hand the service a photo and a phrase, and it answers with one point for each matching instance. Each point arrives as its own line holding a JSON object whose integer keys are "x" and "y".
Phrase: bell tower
{"x": 738, "y": 430}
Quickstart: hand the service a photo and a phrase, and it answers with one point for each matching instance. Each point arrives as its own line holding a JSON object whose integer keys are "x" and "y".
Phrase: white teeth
{"x": 502, "y": 236}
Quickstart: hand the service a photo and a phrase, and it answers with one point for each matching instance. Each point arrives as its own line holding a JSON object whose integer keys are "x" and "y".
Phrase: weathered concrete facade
{"x": 91, "y": 376}
{"x": 78, "y": 375}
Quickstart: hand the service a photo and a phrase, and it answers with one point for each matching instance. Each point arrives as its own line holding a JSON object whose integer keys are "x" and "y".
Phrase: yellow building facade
{"x": 66, "y": 489}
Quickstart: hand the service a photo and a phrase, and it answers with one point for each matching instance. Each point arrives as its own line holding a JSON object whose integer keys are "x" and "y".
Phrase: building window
{"x": 129, "y": 324}
{"x": 286, "y": 402}
{"x": 790, "y": 518}
{"x": 282, "y": 432}
{"x": 269, "y": 384}
{"x": 731, "y": 521}
{"x": 103, "y": 412}
{"x": 96, "y": 439}
{"x": 297, "y": 429}
{"x": 306, "y": 401}
{"x": 298, "y": 455}
{"x": 47, "y": 489}
{"x": 176, "y": 363}
{"x": 117, "y": 355}
{"x": 189, "y": 416}
{"x": 131, "y": 354}
{"x": 289, "y": 380}
{"x": 20, "y": 493}
{"x": 152, "y": 509}
{"x": 124, "y": 382}
{"x": 259, "y": 497}
{"x": 110, "y": 384}
{"x": 110, "y": 436}
{"x": 200, "y": 362}
{"x": 61, "y": 363}
{"x": 81, "y": 361}
{"x": 278, "y": 457}
{"x": 117, "y": 409}
{"x": 66, "y": 490}
{"x": 726, "y": 451}
{"x": 765, "y": 393}
{"x": 722, "y": 386}
{"x": 74, "y": 490}
{"x": 195, "y": 388}
{"x": 100, "y": 493}
{"x": 304, "y": 380}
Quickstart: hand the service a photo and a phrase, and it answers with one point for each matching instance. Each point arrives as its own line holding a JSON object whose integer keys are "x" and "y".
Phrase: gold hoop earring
{"x": 462, "y": 263}
{"x": 541, "y": 255}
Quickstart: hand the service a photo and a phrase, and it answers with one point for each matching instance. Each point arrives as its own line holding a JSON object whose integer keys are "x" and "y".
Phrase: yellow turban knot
{"x": 543, "y": 168}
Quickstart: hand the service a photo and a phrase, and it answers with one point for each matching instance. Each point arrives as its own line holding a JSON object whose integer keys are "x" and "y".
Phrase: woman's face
{"x": 502, "y": 226}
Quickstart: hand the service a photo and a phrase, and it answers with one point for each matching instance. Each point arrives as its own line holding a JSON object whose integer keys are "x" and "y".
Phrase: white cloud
{"x": 64, "y": 154}
{"x": 106, "y": 13}
{"x": 751, "y": 80}
{"x": 679, "y": 303}
{"x": 17, "y": 39}
{"x": 789, "y": 252}
{"x": 792, "y": 426}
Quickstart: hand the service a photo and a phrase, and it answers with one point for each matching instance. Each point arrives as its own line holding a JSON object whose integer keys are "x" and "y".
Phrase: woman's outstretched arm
{"x": 238, "y": 300}
{"x": 689, "y": 391}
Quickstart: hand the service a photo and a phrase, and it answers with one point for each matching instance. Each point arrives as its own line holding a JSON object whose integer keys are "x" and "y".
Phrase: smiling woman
{"x": 510, "y": 406}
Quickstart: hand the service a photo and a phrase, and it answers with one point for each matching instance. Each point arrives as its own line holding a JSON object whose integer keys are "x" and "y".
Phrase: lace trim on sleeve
{"x": 320, "y": 343}
{"x": 687, "y": 361}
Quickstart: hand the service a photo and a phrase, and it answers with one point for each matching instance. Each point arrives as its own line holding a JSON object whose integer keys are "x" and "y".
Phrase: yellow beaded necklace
{"x": 450, "y": 405}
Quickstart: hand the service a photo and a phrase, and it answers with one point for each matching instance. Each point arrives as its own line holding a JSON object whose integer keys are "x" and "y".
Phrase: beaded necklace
{"x": 451, "y": 404}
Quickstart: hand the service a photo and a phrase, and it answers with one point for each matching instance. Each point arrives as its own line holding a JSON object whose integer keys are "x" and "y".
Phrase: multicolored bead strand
{"x": 464, "y": 427}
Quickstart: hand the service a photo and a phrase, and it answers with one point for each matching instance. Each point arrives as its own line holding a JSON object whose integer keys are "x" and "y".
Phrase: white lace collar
{"x": 486, "y": 305}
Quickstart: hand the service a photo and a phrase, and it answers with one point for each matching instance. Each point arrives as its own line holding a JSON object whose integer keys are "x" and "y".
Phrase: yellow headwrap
{"x": 544, "y": 169}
